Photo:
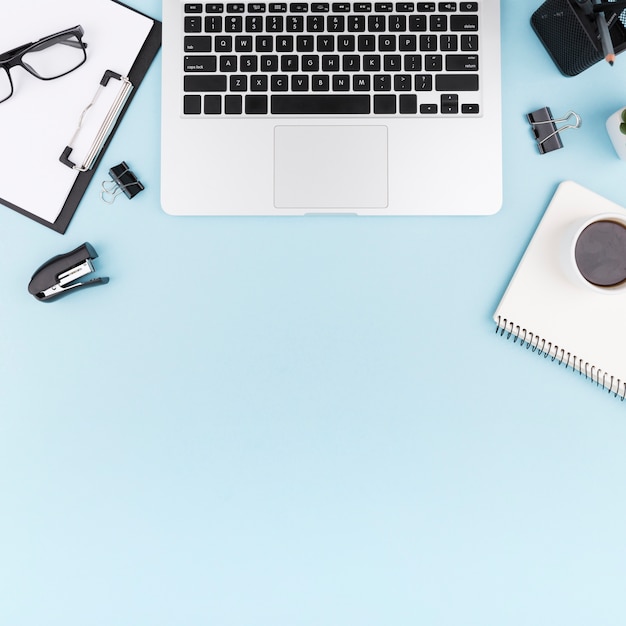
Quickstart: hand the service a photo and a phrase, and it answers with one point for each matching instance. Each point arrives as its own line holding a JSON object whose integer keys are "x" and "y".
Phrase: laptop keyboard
{"x": 397, "y": 59}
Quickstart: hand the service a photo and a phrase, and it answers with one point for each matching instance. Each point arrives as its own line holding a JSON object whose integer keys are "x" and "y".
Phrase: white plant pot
{"x": 618, "y": 139}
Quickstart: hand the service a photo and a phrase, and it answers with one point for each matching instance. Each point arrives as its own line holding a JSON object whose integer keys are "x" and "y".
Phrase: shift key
{"x": 456, "y": 82}
{"x": 205, "y": 83}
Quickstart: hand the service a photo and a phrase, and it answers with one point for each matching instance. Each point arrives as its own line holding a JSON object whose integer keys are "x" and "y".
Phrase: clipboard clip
{"x": 58, "y": 276}
{"x": 545, "y": 130}
{"x": 107, "y": 125}
{"x": 123, "y": 180}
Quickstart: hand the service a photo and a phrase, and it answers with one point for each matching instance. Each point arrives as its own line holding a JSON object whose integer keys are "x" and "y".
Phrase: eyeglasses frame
{"x": 13, "y": 58}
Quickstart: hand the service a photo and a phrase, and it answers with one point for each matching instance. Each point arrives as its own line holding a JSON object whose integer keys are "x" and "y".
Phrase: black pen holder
{"x": 571, "y": 36}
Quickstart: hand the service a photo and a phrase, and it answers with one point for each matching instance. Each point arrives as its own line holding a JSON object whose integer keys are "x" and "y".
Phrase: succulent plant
{"x": 622, "y": 126}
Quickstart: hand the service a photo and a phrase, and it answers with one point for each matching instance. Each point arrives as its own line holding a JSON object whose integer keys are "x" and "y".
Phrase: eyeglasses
{"x": 49, "y": 58}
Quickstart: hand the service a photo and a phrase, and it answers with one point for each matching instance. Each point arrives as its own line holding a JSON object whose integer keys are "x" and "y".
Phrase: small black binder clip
{"x": 123, "y": 180}
{"x": 545, "y": 131}
{"x": 59, "y": 275}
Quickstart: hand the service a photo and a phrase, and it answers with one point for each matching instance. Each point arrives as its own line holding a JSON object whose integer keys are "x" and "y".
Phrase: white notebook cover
{"x": 546, "y": 310}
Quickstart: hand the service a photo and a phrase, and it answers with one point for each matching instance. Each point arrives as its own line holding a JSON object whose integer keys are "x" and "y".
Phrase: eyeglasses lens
{"x": 56, "y": 57}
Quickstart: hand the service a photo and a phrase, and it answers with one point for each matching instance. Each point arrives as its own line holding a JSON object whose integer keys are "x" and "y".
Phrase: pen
{"x": 605, "y": 36}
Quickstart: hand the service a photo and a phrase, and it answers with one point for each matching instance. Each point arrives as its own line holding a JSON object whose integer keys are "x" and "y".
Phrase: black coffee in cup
{"x": 600, "y": 253}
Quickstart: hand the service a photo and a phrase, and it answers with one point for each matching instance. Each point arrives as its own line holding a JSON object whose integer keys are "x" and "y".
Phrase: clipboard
{"x": 133, "y": 78}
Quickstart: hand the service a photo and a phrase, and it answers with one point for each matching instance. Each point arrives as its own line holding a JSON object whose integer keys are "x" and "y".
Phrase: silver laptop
{"x": 369, "y": 108}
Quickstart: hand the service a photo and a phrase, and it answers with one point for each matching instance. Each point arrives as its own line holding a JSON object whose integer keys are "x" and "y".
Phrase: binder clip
{"x": 544, "y": 128}
{"x": 123, "y": 180}
{"x": 58, "y": 276}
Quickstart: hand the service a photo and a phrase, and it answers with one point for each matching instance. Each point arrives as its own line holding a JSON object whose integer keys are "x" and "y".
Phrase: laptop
{"x": 296, "y": 108}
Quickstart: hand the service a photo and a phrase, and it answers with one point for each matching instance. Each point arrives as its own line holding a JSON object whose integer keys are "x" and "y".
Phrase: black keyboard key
{"x": 385, "y": 105}
{"x": 233, "y": 24}
{"x": 402, "y": 82}
{"x": 449, "y": 103}
{"x": 361, "y": 82}
{"x": 469, "y": 43}
{"x": 238, "y": 83}
{"x": 258, "y": 82}
{"x": 341, "y": 82}
{"x": 356, "y": 23}
{"x": 362, "y": 7}
{"x": 213, "y": 24}
{"x": 257, "y": 104}
{"x": 426, "y": 7}
{"x": 320, "y": 7}
{"x": 376, "y": 23}
{"x": 366, "y": 43}
{"x": 279, "y": 82}
{"x": 196, "y": 7}
{"x": 304, "y": 43}
{"x": 215, "y": 8}
{"x": 300, "y": 83}
{"x": 192, "y": 105}
{"x": 299, "y": 7}
{"x": 438, "y": 22}
{"x": 463, "y": 23}
{"x": 407, "y": 43}
{"x": 203, "y": 63}
{"x": 228, "y": 63}
{"x": 193, "y": 24}
{"x": 462, "y": 63}
{"x": 408, "y": 104}
{"x": 469, "y": 6}
{"x": 263, "y": 43}
{"x": 201, "y": 82}
{"x": 417, "y": 23}
{"x": 278, "y": 7}
{"x": 320, "y": 82}
{"x": 243, "y": 44}
{"x": 346, "y": 43}
{"x": 274, "y": 24}
{"x": 322, "y": 104}
{"x": 433, "y": 62}
{"x": 397, "y": 23}
{"x": 256, "y": 7}
{"x": 269, "y": 63}
{"x": 335, "y": 23}
{"x": 371, "y": 63}
{"x": 405, "y": 7}
{"x": 383, "y": 7}
{"x": 232, "y": 105}
{"x": 341, "y": 7}
{"x": 447, "y": 7}
{"x": 470, "y": 109}
{"x": 236, "y": 7}
{"x": 382, "y": 82}
{"x": 212, "y": 105}
{"x": 197, "y": 43}
{"x": 456, "y": 82}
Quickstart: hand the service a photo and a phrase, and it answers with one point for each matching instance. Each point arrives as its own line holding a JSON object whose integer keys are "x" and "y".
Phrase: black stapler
{"x": 58, "y": 276}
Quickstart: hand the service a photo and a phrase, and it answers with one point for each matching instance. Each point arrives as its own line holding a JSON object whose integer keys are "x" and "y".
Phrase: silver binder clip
{"x": 545, "y": 130}
{"x": 123, "y": 180}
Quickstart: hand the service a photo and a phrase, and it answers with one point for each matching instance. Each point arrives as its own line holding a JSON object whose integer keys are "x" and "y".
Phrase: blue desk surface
{"x": 281, "y": 422}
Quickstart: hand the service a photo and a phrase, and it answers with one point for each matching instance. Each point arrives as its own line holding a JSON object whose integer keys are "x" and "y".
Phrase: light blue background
{"x": 284, "y": 422}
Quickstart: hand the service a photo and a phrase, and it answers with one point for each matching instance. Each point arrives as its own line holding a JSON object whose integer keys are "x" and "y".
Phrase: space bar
{"x": 320, "y": 104}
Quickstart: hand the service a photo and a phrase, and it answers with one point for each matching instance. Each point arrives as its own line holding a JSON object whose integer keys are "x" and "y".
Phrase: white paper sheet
{"x": 39, "y": 120}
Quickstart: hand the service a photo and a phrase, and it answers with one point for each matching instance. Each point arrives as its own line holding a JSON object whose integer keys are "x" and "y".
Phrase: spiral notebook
{"x": 544, "y": 310}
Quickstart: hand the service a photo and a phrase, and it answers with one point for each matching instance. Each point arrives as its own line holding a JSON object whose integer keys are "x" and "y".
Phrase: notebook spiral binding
{"x": 543, "y": 347}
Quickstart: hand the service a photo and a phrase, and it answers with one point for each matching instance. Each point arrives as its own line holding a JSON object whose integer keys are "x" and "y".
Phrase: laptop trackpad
{"x": 324, "y": 167}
